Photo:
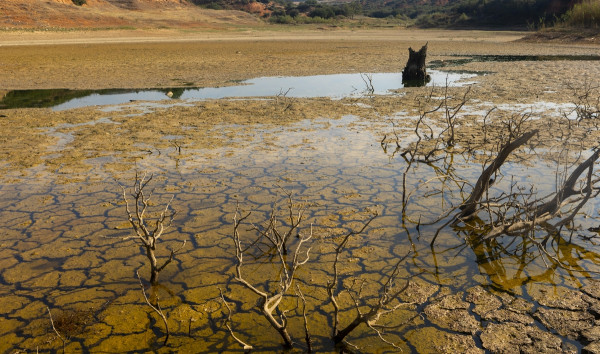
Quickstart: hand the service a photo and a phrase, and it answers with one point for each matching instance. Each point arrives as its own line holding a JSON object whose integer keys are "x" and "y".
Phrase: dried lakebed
{"x": 63, "y": 249}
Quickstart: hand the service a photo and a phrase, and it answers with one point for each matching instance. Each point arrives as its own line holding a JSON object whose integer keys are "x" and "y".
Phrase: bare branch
{"x": 247, "y": 347}
{"x": 148, "y": 237}
{"x": 156, "y": 308}
{"x": 54, "y": 328}
{"x": 469, "y": 207}
{"x": 388, "y": 293}
{"x": 271, "y": 301}
{"x": 307, "y": 337}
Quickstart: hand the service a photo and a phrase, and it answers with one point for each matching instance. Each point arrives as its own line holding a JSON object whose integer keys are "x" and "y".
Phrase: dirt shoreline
{"x": 177, "y": 58}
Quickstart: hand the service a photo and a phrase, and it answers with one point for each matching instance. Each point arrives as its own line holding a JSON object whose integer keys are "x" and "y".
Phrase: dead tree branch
{"x": 270, "y": 301}
{"x": 332, "y": 285}
{"x": 469, "y": 207}
{"x": 368, "y": 81}
{"x": 146, "y": 234}
{"x": 388, "y": 293}
{"x": 568, "y": 188}
{"x": 56, "y": 331}
{"x": 451, "y": 112}
{"x": 271, "y": 230}
{"x": 247, "y": 347}
{"x": 156, "y": 308}
{"x": 307, "y": 337}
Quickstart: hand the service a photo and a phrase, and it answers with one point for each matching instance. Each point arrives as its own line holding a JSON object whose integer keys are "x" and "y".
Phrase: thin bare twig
{"x": 55, "y": 331}
{"x": 156, "y": 308}
{"x": 247, "y": 347}
{"x": 270, "y": 301}
{"x": 307, "y": 337}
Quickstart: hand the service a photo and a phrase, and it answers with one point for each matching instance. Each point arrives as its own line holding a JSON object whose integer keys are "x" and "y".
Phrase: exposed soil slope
{"x": 35, "y": 14}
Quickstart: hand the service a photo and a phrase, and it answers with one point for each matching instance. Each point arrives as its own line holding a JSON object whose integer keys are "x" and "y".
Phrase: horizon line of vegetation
{"x": 531, "y": 14}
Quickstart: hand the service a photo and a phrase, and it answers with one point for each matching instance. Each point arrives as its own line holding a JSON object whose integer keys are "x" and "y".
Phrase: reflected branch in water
{"x": 386, "y": 302}
{"x": 56, "y": 331}
{"x": 156, "y": 308}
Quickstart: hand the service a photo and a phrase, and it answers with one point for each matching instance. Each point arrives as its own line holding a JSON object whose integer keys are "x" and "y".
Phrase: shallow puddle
{"x": 62, "y": 247}
{"x": 334, "y": 86}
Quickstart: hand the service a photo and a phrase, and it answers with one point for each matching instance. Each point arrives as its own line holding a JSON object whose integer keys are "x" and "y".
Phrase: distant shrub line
{"x": 585, "y": 14}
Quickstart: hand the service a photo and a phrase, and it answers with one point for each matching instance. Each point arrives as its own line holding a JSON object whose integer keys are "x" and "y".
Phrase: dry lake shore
{"x": 64, "y": 217}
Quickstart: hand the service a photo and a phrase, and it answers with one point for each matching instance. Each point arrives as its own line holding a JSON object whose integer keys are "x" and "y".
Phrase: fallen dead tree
{"x": 470, "y": 206}
{"x": 519, "y": 212}
{"x": 540, "y": 212}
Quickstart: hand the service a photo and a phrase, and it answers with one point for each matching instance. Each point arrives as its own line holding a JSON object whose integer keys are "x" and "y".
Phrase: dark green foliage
{"x": 221, "y": 4}
{"x": 293, "y": 12}
{"x": 422, "y": 13}
{"x": 436, "y": 19}
{"x": 494, "y": 13}
{"x": 585, "y": 14}
{"x": 79, "y": 2}
{"x": 509, "y": 12}
{"x": 322, "y": 12}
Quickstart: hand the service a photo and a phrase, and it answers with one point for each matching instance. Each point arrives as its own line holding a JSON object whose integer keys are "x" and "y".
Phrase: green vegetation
{"x": 39, "y": 98}
{"x": 471, "y": 13}
{"x": 422, "y": 13}
{"x": 79, "y": 2}
{"x": 585, "y": 14}
{"x": 311, "y": 11}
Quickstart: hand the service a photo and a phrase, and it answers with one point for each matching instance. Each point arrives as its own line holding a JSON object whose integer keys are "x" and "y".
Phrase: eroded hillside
{"x": 25, "y": 14}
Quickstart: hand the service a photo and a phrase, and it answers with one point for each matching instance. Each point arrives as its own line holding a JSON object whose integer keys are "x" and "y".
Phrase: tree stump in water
{"x": 415, "y": 72}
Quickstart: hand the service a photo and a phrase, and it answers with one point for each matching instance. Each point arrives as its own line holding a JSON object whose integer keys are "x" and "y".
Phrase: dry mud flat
{"x": 179, "y": 58}
{"x": 60, "y": 200}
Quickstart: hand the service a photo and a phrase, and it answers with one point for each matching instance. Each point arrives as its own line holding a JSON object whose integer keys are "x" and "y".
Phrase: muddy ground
{"x": 175, "y": 58}
{"x": 88, "y": 148}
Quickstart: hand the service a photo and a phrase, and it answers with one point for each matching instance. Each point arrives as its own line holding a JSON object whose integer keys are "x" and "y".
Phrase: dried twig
{"x": 307, "y": 337}
{"x": 270, "y": 301}
{"x": 156, "y": 308}
{"x": 146, "y": 234}
{"x": 247, "y": 347}
{"x": 389, "y": 293}
{"x": 54, "y": 328}
{"x": 333, "y": 284}
{"x": 368, "y": 80}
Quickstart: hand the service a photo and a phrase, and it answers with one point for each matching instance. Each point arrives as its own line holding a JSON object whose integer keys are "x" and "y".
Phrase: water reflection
{"x": 335, "y": 86}
{"x": 513, "y": 261}
{"x": 54, "y": 251}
